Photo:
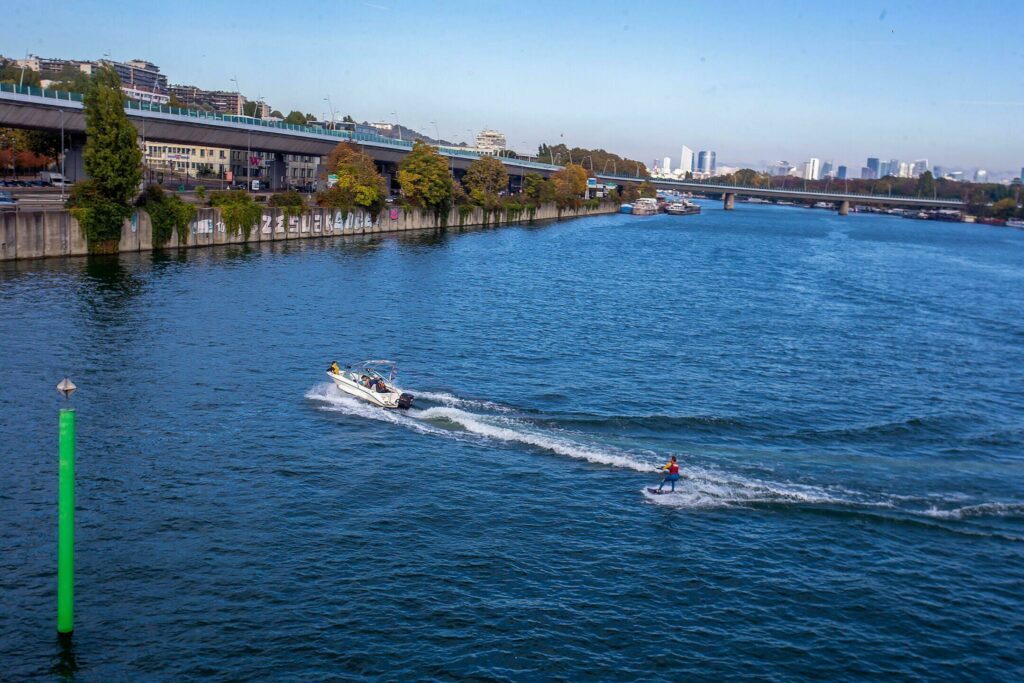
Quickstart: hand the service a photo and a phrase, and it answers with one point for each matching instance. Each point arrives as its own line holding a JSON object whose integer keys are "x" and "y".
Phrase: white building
{"x": 490, "y": 141}
{"x": 919, "y": 167}
{"x": 812, "y": 169}
{"x": 685, "y": 160}
{"x": 666, "y": 166}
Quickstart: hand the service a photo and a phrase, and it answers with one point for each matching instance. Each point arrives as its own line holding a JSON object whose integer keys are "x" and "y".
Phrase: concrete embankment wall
{"x": 43, "y": 233}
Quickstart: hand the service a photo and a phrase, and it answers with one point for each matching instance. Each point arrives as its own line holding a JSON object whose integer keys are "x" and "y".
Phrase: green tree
{"x": 746, "y": 177}
{"x": 276, "y": 114}
{"x": 252, "y": 109}
{"x": 485, "y": 179}
{"x": 173, "y": 101}
{"x": 926, "y": 184}
{"x": 425, "y": 179}
{"x": 348, "y": 119}
{"x": 12, "y": 73}
{"x": 538, "y": 190}
{"x": 112, "y": 160}
{"x": 296, "y": 118}
{"x": 359, "y": 184}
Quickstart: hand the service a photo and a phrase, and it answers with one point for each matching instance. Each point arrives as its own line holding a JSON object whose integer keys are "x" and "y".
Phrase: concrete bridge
{"x": 841, "y": 199}
{"x": 51, "y": 110}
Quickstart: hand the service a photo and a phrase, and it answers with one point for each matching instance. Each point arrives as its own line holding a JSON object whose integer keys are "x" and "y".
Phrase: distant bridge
{"x": 842, "y": 199}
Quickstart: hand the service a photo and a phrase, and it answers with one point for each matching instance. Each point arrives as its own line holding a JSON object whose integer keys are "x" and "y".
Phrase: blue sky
{"x": 756, "y": 81}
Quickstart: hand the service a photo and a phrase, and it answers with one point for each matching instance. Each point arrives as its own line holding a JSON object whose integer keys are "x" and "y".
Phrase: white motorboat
{"x": 373, "y": 381}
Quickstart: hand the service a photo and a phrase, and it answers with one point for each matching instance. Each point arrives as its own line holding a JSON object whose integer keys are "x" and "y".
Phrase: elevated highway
{"x": 50, "y": 110}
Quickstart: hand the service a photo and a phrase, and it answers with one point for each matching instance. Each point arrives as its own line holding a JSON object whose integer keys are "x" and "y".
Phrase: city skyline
{"x": 755, "y": 99}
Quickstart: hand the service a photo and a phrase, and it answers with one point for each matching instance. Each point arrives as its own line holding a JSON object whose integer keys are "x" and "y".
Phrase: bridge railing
{"x": 41, "y": 92}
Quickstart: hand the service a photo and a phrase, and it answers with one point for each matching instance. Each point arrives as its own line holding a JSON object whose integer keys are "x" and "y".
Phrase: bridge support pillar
{"x": 729, "y": 201}
{"x": 277, "y": 169}
{"x": 74, "y": 160}
{"x": 844, "y": 208}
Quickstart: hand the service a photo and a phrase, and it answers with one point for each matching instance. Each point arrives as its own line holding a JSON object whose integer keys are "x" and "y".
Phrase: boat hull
{"x": 389, "y": 399}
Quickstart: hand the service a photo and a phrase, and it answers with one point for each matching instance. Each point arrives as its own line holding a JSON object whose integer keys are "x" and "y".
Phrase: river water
{"x": 845, "y": 394}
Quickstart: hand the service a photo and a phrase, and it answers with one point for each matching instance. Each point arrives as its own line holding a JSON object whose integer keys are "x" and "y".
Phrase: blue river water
{"x": 845, "y": 394}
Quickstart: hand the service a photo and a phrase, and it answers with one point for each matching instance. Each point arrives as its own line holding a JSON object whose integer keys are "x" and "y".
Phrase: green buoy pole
{"x": 66, "y": 525}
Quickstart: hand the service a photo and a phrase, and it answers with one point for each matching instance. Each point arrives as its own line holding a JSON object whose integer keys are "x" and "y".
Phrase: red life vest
{"x": 673, "y": 468}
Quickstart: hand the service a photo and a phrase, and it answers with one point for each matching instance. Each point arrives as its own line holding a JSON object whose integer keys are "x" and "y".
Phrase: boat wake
{"x": 453, "y": 419}
{"x": 705, "y": 486}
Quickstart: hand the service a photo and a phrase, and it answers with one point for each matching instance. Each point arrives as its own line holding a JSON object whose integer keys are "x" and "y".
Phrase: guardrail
{"x": 199, "y": 114}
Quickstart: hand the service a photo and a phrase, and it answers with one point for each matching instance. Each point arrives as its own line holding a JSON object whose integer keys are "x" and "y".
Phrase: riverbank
{"x": 53, "y": 233}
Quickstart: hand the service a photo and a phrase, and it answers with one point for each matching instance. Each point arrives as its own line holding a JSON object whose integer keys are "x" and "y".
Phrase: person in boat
{"x": 335, "y": 369}
{"x": 671, "y": 470}
{"x": 381, "y": 387}
{"x": 365, "y": 381}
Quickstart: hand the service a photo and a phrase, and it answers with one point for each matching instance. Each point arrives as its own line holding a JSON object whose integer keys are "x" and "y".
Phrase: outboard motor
{"x": 405, "y": 401}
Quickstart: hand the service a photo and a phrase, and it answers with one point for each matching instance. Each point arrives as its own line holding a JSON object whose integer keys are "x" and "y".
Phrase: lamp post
{"x": 63, "y": 178}
{"x": 397, "y": 127}
{"x": 437, "y": 132}
{"x": 331, "y": 107}
{"x": 66, "y": 515}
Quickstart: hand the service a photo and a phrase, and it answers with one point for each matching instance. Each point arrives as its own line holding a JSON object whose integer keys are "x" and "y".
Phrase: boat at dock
{"x": 626, "y": 208}
{"x": 682, "y": 208}
{"x": 645, "y": 206}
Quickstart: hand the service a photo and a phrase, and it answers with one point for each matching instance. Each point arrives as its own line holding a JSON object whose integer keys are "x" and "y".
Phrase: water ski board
{"x": 658, "y": 492}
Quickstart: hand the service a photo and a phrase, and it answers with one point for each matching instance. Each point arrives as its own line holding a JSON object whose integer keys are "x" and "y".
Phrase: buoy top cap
{"x": 66, "y": 387}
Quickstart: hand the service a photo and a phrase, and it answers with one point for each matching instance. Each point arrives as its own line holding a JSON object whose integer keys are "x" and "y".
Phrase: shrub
{"x": 238, "y": 211}
{"x": 167, "y": 213}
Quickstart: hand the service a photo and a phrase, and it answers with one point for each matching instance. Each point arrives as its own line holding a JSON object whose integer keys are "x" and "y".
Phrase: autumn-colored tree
{"x": 359, "y": 185}
{"x": 1004, "y": 208}
{"x": 425, "y": 179}
{"x": 647, "y": 189}
{"x": 485, "y": 179}
{"x": 570, "y": 185}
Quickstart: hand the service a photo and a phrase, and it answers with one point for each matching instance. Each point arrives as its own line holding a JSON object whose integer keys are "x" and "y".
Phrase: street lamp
{"x": 591, "y": 162}
{"x": 397, "y": 127}
{"x": 437, "y": 132}
{"x": 63, "y": 178}
{"x": 331, "y": 107}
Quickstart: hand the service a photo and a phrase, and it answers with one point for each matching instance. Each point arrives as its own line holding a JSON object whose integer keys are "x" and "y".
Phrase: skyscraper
{"x": 873, "y": 167}
{"x": 841, "y": 172}
{"x": 866, "y": 173}
{"x": 714, "y": 166}
{"x": 918, "y": 168}
{"x": 826, "y": 169}
{"x": 883, "y": 169}
{"x": 812, "y": 169}
{"x": 666, "y": 165}
{"x": 703, "y": 161}
{"x": 894, "y": 167}
{"x": 981, "y": 176}
{"x": 685, "y": 159}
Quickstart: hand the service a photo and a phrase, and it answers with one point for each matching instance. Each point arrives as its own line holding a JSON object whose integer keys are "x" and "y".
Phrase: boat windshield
{"x": 384, "y": 369}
